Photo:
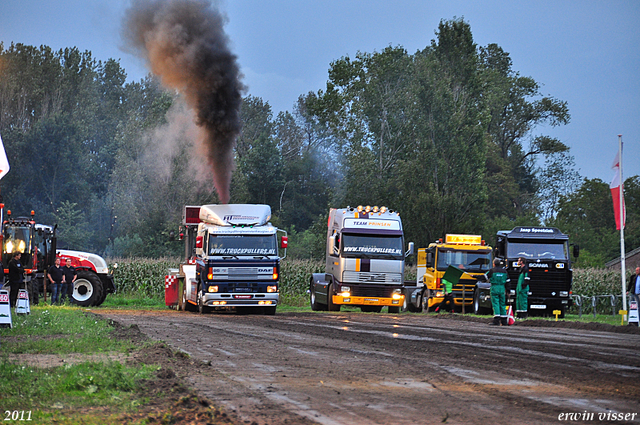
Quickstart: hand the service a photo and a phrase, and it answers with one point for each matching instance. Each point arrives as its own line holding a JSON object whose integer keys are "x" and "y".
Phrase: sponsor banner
{"x": 372, "y": 250}
{"x": 242, "y": 251}
{"x": 364, "y": 223}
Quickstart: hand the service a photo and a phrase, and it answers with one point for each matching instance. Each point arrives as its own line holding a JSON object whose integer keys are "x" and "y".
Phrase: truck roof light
{"x": 375, "y": 208}
{"x": 33, "y": 213}
{"x": 368, "y": 208}
{"x": 360, "y": 208}
{"x": 383, "y": 209}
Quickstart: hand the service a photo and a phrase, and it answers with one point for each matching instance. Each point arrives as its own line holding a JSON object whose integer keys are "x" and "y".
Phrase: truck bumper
{"x": 340, "y": 300}
{"x": 241, "y": 300}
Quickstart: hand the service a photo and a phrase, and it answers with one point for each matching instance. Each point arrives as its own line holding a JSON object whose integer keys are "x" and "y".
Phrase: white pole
{"x": 622, "y": 251}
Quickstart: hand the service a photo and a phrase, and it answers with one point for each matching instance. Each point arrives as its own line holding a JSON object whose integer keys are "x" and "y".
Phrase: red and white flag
{"x": 616, "y": 187}
{"x": 4, "y": 162}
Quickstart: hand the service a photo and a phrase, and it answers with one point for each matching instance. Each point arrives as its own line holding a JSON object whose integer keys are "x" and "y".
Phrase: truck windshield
{"x": 538, "y": 250}
{"x": 469, "y": 261}
{"x": 242, "y": 245}
{"x": 372, "y": 246}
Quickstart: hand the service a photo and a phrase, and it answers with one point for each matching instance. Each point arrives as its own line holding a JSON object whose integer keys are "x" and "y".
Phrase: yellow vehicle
{"x": 469, "y": 253}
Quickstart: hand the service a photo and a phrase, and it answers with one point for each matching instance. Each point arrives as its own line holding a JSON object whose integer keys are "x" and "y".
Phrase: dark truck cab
{"x": 546, "y": 250}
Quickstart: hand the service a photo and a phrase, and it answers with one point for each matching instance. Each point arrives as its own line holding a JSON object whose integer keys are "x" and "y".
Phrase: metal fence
{"x": 597, "y": 304}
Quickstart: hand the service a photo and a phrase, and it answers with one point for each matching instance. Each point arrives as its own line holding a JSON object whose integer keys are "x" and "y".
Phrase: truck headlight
{"x": 564, "y": 293}
{"x": 560, "y": 266}
{"x": 213, "y": 288}
{"x": 345, "y": 289}
{"x": 272, "y": 288}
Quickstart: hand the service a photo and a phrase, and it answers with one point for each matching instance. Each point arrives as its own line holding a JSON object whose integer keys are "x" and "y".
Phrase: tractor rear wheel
{"x": 87, "y": 289}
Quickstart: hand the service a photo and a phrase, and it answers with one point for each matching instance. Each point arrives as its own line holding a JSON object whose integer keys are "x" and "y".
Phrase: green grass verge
{"x": 69, "y": 392}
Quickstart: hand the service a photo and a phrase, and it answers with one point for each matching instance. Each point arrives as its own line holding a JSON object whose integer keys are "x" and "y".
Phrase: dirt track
{"x": 354, "y": 368}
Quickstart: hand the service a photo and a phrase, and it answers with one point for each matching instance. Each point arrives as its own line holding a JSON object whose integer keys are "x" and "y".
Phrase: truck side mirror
{"x": 284, "y": 242}
{"x": 576, "y": 251}
{"x": 199, "y": 241}
{"x": 332, "y": 243}
{"x": 410, "y": 248}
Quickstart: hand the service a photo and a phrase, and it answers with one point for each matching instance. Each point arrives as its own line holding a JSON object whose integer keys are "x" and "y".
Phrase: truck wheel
{"x": 202, "y": 309}
{"x": 330, "y": 305}
{"x": 425, "y": 300}
{"x": 315, "y": 305}
{"x": 477, "y": 309}
{"x": 87, "y": 289}
{"x": 408, "y": 306}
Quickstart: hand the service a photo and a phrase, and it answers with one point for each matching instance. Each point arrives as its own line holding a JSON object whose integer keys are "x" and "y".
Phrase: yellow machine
{"x": 468, "y": 253}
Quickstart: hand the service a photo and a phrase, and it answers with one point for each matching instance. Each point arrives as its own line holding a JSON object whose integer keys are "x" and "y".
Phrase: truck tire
{"x": 407, "y": 306}
{"x": 202, "y": 309}
{"x": 477, "y": 308}
{"x": 87, "y": 289}
{"x": 330, "y": 305}
{"x": 315, "y": 305}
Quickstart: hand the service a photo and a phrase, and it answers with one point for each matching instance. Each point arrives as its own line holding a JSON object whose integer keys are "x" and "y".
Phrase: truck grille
{"x": 545, "y": 283}
{"x": 236, "y": 273}
{"x": 372, "y": 277}
{"x": 371, "y": 291}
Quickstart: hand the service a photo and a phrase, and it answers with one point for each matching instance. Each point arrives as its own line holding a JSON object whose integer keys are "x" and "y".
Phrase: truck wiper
{"x": 227, "y": 257}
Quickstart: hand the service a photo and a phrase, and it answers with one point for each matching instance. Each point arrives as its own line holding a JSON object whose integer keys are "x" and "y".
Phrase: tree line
{"x": 447, "y": 136}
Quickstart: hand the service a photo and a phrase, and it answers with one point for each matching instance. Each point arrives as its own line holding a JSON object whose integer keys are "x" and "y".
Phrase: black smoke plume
{"x": 184, "y": 44}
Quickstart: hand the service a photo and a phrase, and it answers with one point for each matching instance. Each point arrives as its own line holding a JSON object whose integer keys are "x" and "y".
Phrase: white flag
{"x": 4, "y": 162}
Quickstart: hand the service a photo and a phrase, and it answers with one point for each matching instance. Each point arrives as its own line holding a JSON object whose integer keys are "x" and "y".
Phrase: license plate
{"x": 371, "y": 300}
{"x": 538, "y": 306}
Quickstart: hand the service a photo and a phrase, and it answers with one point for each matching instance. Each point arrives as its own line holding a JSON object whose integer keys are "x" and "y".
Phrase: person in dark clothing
{"x": 55, "y": 277}
{"x": 522, "y": 290}
{"x": 70, "y": 276}
{"x": 499, "y": 287}
{"x": 16, "y": 278}
{"x": 1, "y": 274}
{"x": 633, "y": 287}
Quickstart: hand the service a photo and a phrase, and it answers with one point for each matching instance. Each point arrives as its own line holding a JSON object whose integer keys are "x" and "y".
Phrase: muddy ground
{"x": 355, "y": 368}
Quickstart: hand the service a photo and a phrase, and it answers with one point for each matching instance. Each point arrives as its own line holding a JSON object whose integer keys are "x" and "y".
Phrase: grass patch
{"x": 59, "y": 330}
{"x": 125, "y": 301}
{"x": 46, "y": 392}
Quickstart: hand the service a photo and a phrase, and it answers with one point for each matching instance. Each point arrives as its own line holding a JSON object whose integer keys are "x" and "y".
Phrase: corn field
{"x": 145, "y": 277}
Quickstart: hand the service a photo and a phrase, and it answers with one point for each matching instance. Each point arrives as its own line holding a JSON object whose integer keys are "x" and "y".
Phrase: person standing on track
{"x": 522, "y": 290}
{"x": 499, "y": 286}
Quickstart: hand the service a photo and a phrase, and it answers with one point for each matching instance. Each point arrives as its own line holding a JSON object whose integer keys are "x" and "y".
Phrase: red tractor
{"x": 37, "y": 244}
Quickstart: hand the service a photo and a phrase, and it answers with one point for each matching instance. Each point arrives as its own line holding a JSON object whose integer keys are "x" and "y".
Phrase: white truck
{"x": 232, "y": 259}
{"x": 365, "y": 261}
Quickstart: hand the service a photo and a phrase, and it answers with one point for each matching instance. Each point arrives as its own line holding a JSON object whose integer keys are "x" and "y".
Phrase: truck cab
{"x": 469, "y": 253}
{"x": 546, "y": 251}
{"x": 236, "y": 261}
{"x": 365, "y": 261}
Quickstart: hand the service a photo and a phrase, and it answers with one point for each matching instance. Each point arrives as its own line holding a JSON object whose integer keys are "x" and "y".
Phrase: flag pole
{"x": 622, "y": 250}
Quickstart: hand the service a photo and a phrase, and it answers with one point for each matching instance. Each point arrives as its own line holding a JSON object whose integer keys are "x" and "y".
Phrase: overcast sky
{"x": 584, "y": 52}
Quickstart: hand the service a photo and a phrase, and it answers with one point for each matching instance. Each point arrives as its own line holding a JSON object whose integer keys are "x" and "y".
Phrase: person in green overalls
{"x": 499, "y": 285}
{"x": 522, "y": 290}
{"x": 447, "y": 301}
